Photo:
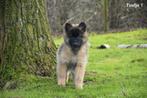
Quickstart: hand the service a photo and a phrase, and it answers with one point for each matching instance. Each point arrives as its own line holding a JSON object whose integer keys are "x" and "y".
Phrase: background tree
{"x": 119, "y": 16}
{"x": 75, "y": 11}
{"x": 106, "y": 21}
{"x": 124, "y": 17}
{"x": 25, "y": 45}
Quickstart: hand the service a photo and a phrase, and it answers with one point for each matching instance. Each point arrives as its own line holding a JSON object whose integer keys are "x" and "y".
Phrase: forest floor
{"x": 111, "y": 73}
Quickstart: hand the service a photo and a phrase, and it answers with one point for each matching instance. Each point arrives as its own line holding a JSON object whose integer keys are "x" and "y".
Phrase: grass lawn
{"x": 111, "y": 73}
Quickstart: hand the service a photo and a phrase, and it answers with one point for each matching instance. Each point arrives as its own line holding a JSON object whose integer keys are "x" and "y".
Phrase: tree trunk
{"x": 26, "y": 45}
{"x": 106, "y": 23}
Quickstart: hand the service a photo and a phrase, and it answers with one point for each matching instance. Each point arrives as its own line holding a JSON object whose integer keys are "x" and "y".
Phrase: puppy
{"x": 72, "y": 55}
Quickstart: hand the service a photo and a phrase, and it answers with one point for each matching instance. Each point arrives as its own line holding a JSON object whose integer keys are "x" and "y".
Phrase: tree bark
{"x": 26, "y": 44}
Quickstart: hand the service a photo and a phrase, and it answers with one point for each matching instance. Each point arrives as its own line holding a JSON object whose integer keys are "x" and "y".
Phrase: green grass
{"x": 111, "y": 73}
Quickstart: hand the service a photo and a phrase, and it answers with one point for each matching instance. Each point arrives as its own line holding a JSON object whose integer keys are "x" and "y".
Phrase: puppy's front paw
{"x": 79, "y": 86}
{"x": 61, "y": 82}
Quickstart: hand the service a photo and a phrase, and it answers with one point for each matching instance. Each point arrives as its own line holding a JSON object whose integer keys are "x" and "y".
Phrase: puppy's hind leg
{"x": 67, "y": 76}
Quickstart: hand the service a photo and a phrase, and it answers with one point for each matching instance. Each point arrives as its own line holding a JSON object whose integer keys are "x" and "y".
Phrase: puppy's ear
{"x": 67, "y": 27}
{"x": 82, "y": 26}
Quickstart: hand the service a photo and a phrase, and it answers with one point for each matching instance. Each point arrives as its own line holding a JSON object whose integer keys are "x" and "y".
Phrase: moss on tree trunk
{"x": 27, "y": 46}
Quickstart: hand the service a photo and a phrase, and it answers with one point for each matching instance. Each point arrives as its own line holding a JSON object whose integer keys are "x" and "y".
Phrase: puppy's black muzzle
{"x": 75, "y": 43}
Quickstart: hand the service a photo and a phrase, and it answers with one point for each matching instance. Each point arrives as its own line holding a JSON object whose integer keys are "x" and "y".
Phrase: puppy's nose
{"x": 76, "y": 43}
